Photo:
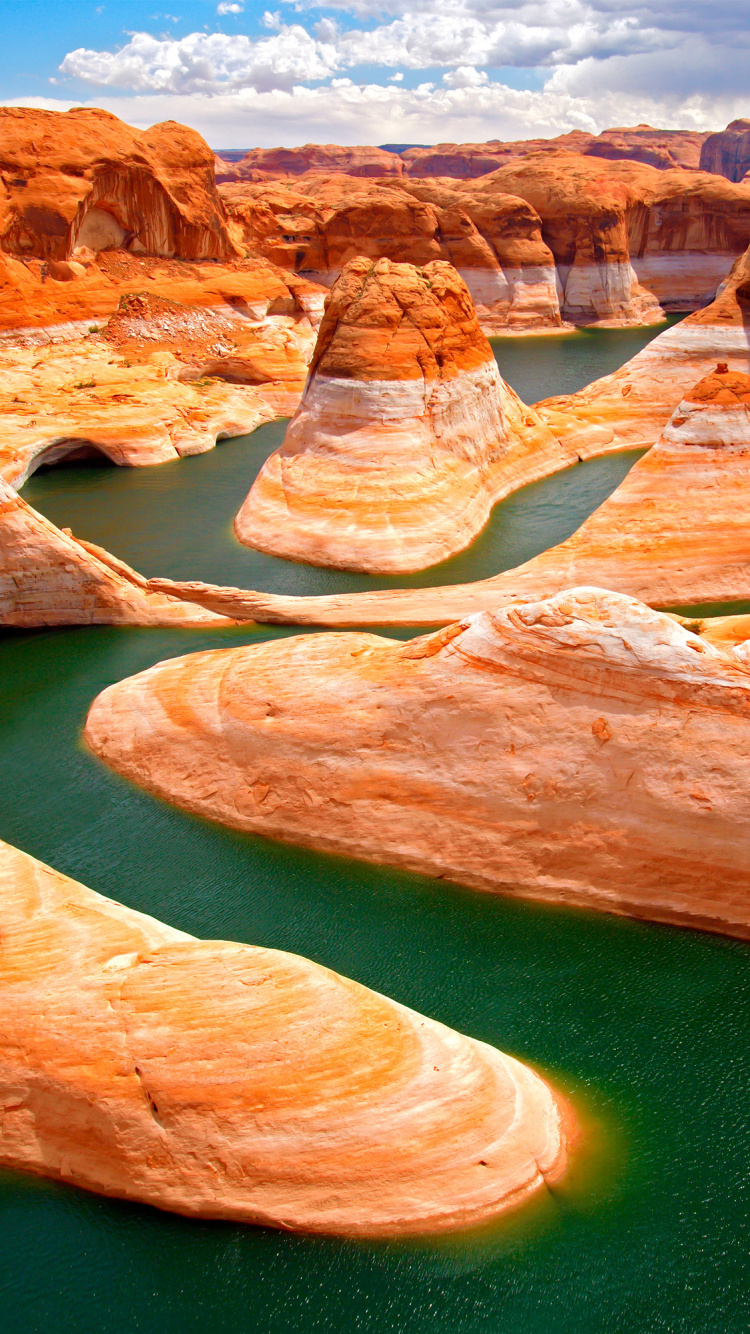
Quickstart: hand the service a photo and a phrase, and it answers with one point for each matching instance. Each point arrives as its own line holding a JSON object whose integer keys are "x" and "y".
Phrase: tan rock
{"x": 317, "y": 224}
{"x": 83, "y": 178}
{"x": 675, "y": 532}
{"x": 581, "y": 750}
{"x": 270, "y": 162}
{"x": 406, "y": 435}
{"x": 47, "y": 577}
{"x": 227, "y": 1081}
{"x": 728, "y": 152}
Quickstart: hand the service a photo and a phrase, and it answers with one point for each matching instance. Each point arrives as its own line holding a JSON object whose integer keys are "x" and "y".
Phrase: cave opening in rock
{"x": 72, "y": 454}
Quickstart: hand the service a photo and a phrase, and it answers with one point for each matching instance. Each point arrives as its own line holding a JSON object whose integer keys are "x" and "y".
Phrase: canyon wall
{"x": 728, "y": 152}
{"x": 222, "y": 1080}
{"x": 83, "y": 178}
{"x": 315, "y": 225}
{"x": 406, "y": 434}
{"x": 581, "y": 749}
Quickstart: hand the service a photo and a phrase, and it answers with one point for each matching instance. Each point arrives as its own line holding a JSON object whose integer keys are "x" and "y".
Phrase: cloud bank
{"x": 601, "y": 64}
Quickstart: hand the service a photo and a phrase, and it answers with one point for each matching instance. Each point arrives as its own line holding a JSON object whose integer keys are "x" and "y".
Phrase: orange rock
{"x": 318, "y": 223}
{"x": 406, "y": 435}
{"x": 658, "y": 148}
{"x": 47, "y": 577}
{"x": 627, "y": 237}
{"x": 581, "y": 749}
{"x": 728, "y": 152}
{"x": 84, "y": 178}
{"x": 630, "y": 408}
{"x": 271, "y": 162}
{"x": 639, "y": 541}
{"x": 227, "y": 1081}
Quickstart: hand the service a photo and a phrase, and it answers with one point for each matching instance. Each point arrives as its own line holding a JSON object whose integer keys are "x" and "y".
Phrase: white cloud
{"x": 228, "y": 7}
{"x": 347, "y": 113}
{"x": 206, "y": 62}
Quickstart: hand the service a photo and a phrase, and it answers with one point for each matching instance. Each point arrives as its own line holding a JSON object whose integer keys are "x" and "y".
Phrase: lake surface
{"x": 644, "y": 1027}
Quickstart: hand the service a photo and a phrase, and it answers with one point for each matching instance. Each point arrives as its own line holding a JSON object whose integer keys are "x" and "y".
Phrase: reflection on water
{"x": 643, "y": 1027}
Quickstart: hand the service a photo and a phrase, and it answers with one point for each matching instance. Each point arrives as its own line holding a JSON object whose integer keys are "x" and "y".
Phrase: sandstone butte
{"x": 269, "y": 162}
{"x": 48, "y": 577}
{"x": 728, "y": 152}
{"x": 223, "y": 1080}
{"x": 581, "y": 749}
{"x": 639, "y": 541}
{"x": 315, "y": 224}
{"x": 83, "y": 178}
{"x": 551, "y": 237}
{"x": 406, "y": 434}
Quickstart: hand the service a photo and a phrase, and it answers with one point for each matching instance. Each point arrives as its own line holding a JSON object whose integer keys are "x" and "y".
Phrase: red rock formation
{"x": 495, "y": 242}
{"x": 630, "y": 408}
{"x": 269, "y": 162}
{"x": 658, "y": 148}
{"x": 728, "y": 152}
{"x": 222, "y": 1080}
{"x": 83, "y": 178}
{"x": 675, "y": 532}
{"x": 627, "y": 237}
{"x": 406, "y": 434}
{"x": 581, "y": 750}
{"x": 47, "y": 577}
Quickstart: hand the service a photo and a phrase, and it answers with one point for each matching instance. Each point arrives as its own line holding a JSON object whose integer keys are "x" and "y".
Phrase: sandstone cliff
{"x": 48, "y": 577}
{"x": 223, "y": 1080}
{"x": 581, "y": 750}
{"x": 269, "y": 162}
{"x": 317, "y": 224}
{"x": 630, "y": 408}
{"x": 83, "y": 178}
{"x": 728, "y": 152}
{"x": 643, "y": 143}
{"x": 628, "y": 240}
{"x": 406, "y": 434}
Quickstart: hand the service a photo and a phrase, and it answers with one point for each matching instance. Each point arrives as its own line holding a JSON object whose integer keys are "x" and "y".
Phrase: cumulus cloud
{"x": 206, "y": 62}
{"x": 228, "y": 7}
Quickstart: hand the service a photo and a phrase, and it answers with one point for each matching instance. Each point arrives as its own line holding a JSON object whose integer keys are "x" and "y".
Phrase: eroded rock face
{"x": 268, "y": 162}
{"x": 48, "y": 577}
{"x": 580, "y": 749}
{"x": 631, "y": 407}
{"x": 657, "y": 148}
{"x": 317, "y": 224}
{"x": 83, "y": 178}
{"x": 629, "y": 240}
{"x": 227, "y": 1081}
{"x": 728, "y": 152}
{"x": 406, "y": 435}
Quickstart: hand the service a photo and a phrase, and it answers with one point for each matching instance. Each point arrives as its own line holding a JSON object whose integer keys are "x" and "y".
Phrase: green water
{"x": 644, "y": 1027}
{"x": 540, "y": 367}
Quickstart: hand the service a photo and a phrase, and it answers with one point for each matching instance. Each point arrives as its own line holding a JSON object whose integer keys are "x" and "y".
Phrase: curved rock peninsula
{"x": 581, "y": 749}
{"x": 406, "y": 435}
{"x": 83, "y": 178}
{"x": 48, "y": 577}
{"x": 638, "y": 541}
{"x": 222, "y": 1080}
{"x": 631, "y": 407}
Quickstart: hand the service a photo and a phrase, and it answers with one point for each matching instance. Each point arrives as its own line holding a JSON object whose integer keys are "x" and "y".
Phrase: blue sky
{"x": 373, "y": 71}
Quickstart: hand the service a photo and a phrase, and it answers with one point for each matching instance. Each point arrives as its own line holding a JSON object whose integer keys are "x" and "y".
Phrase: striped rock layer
{"x": 581, "y": 749}
{"x": 406, "y": 435}
{"x": 227, "y": 1081}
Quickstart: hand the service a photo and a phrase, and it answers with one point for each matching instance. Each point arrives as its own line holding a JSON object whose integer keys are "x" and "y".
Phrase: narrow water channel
{"x": 643, "y": 1026}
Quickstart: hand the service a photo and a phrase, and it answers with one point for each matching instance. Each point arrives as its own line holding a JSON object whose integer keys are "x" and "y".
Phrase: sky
{"x": 380, "y": 71}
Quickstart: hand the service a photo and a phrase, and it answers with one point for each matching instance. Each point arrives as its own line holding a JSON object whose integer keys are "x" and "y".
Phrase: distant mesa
{"x": 728, "y": 152}
{"x": 221, "y": 1080}
{"x": 406, "y": 434}
{"x": 579, "y": 749}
